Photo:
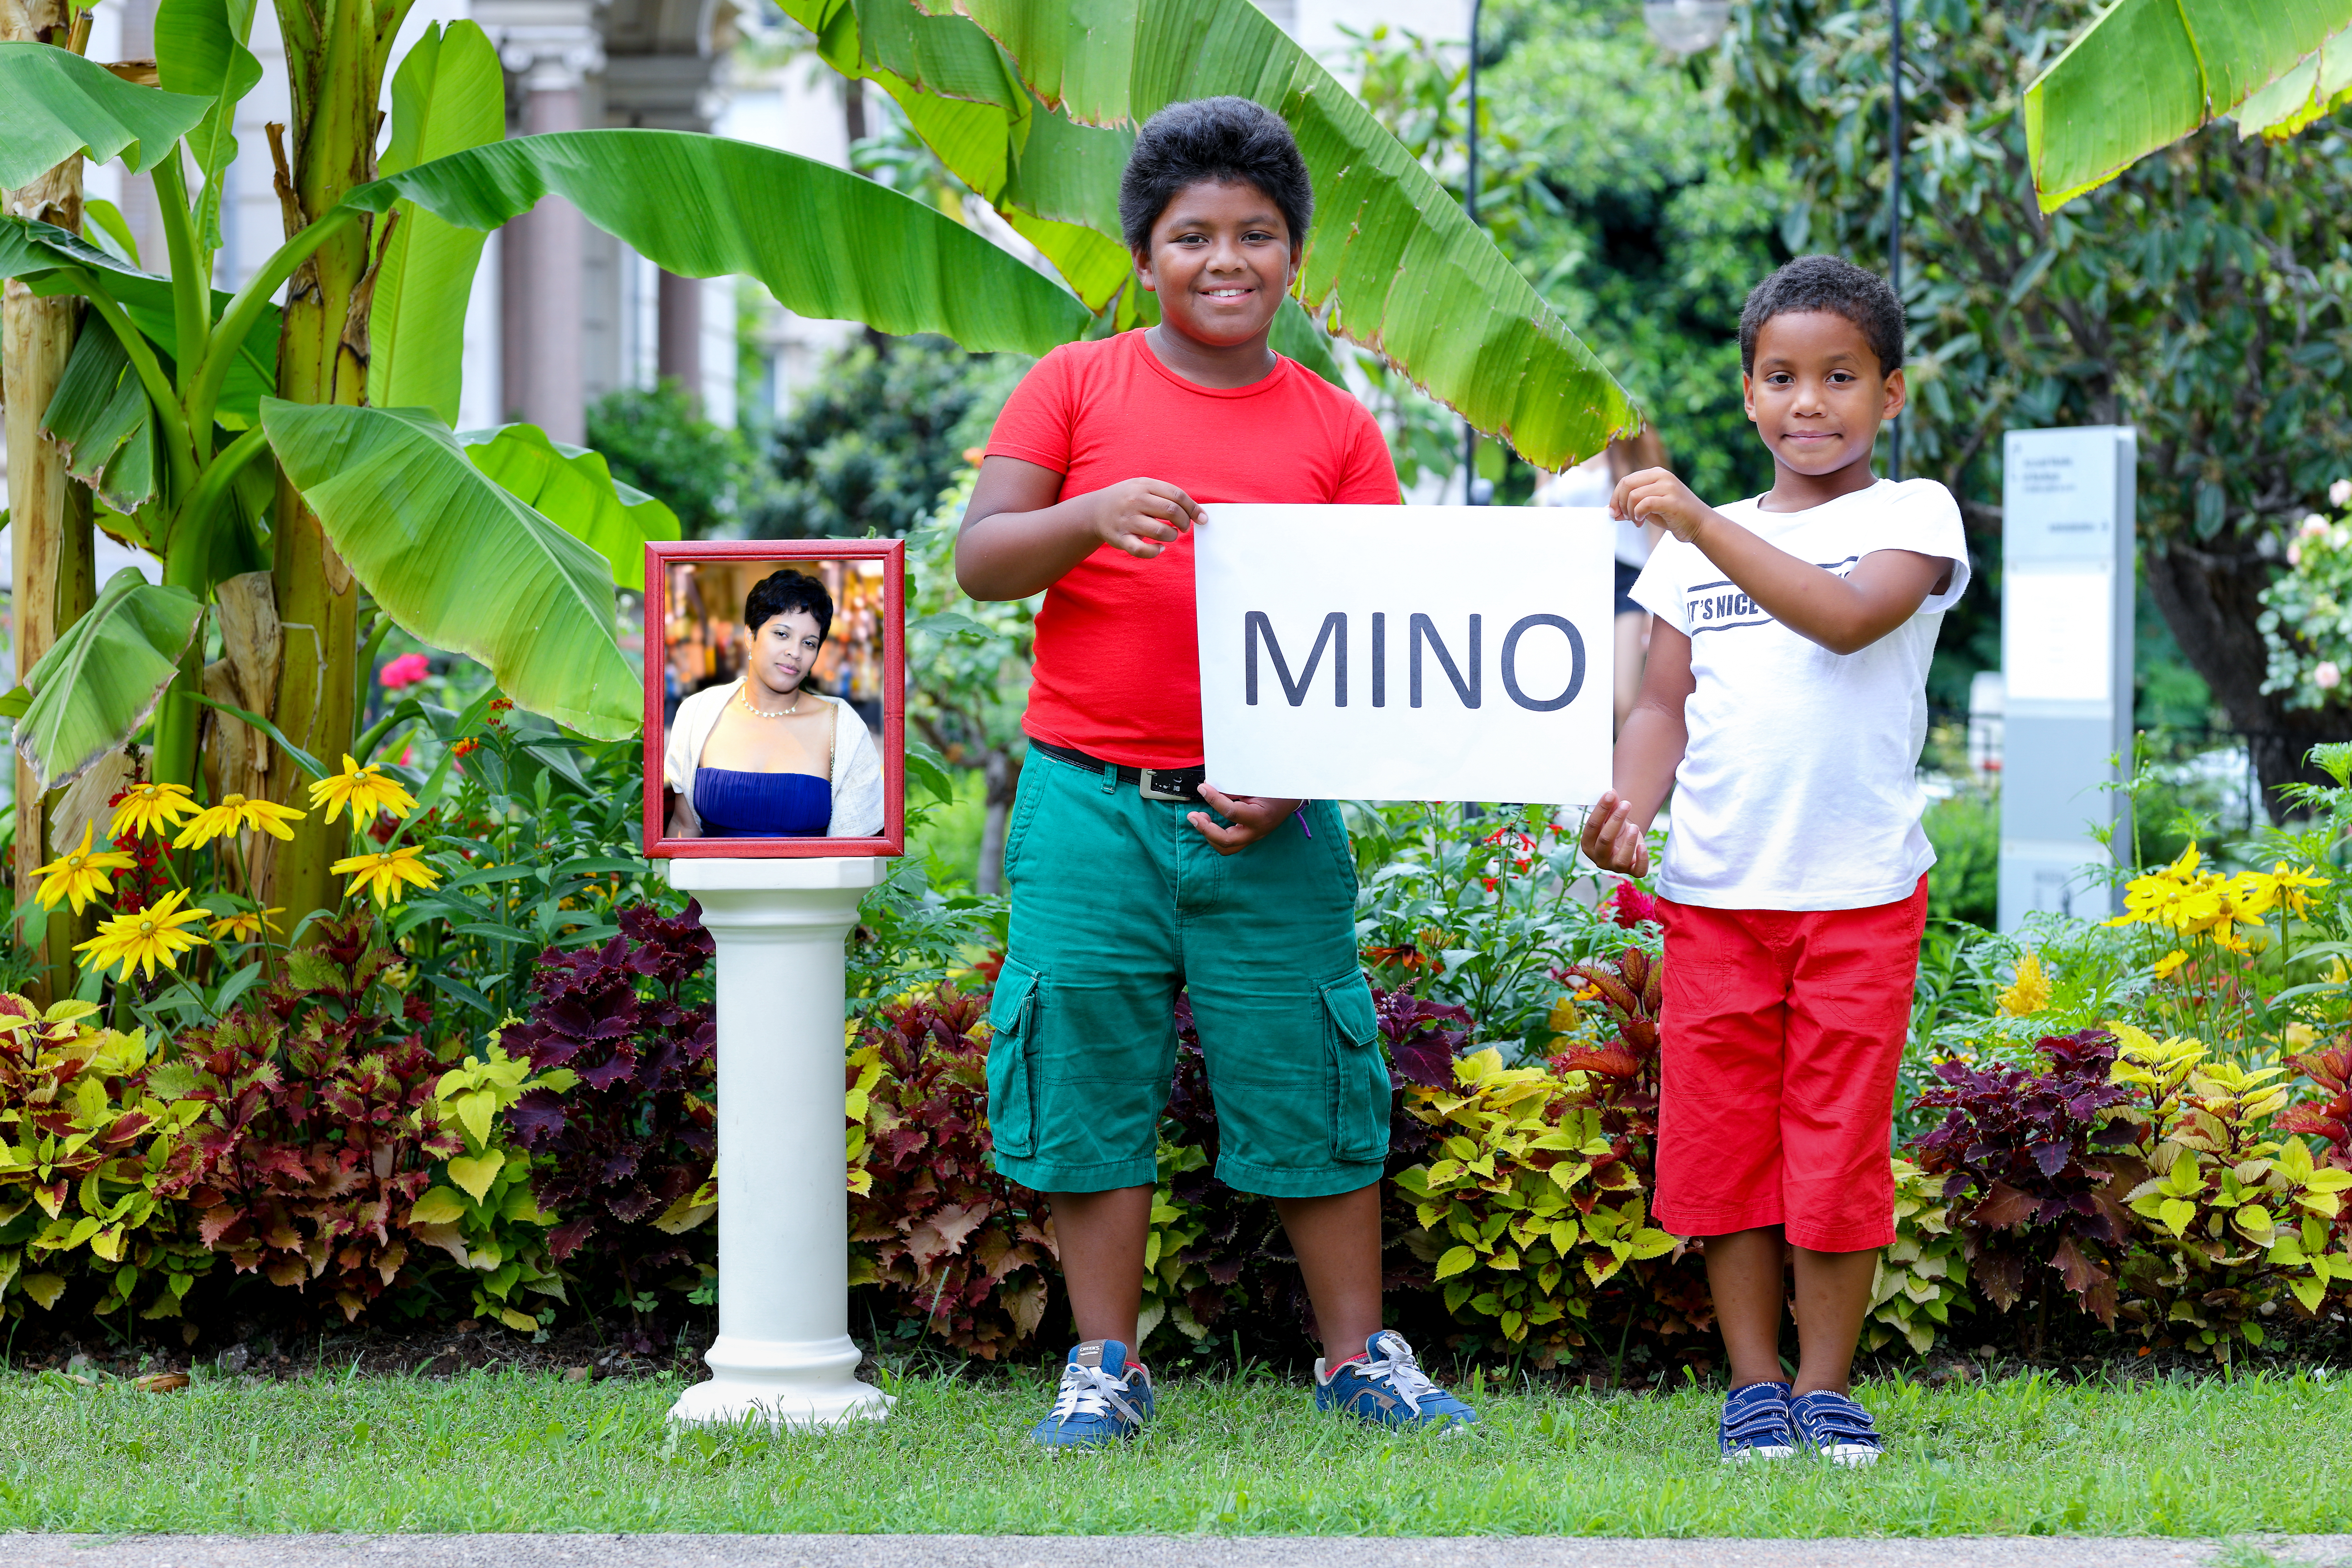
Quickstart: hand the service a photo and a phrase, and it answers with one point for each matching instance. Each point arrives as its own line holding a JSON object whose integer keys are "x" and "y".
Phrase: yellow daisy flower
{"x": 234, "y": 814}
{"x": 2168, "y": 962}
{"x": 81, "y": 875}
{"x": 148, "y": 808}
{"x": 139, "y": 940}
{"x": 383, "y": 875}
{"x": 247, "y": 925}
{"x": 365, "y": 790}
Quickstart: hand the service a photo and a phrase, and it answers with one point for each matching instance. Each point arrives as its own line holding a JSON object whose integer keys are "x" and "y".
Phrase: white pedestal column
{"x": 783, "y": 1350}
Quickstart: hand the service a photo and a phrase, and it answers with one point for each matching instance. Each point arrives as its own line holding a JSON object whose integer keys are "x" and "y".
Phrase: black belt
{"x": 1154, "y": 783}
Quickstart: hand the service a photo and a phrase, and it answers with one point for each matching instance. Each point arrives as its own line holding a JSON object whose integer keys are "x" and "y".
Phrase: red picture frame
{"x": 892, "y": 552}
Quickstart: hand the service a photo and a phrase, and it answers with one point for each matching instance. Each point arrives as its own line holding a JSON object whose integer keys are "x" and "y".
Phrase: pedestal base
{"x": 783, "y": 1383}
{"x": 783, "y": 1352}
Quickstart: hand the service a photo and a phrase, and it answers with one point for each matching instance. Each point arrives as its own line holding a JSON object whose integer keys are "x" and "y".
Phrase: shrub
{"x": 2049, "y": 1167}
{"x": 1479, "y": 913}
{"x": 1923, "y": 1276}
{"x": 2246, "y": 1217}
{"x": 2327, "y": 1115}
{"x": 83, "y": 1145}
{"x": 1532, "y": 1204}
{"x": 627, "y": 1150}
{"x": 317, "y": 1129}
{"x": 657, "y": 440}
{"x": 1964, "y": 884}
{"x": 944, "y": 1241}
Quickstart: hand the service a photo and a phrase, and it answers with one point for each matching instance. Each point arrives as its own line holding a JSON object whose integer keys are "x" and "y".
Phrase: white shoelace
{"x": 1088, "y": 1391}
{"x": 1401, "y": 1372}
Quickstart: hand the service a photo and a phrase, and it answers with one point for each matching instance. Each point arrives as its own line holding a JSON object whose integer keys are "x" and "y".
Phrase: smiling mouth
{"x": 1228, "y": 293}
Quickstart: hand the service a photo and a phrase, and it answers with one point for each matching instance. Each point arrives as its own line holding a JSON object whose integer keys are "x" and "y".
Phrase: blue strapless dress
{"x": 737, "y": 805}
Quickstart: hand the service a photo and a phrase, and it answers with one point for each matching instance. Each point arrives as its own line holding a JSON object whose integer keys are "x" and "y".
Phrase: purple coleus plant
{"x": 634, "y": 1139}
{"x": 2049, "y": 1163}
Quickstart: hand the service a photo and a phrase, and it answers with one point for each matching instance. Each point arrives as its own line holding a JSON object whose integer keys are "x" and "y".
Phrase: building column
{"x": 666, "y": 86}
{"x": 679, "y": 356}
{"x": 540, "y": 258}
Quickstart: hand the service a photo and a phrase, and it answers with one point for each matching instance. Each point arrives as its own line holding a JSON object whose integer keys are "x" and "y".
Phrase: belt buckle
{"x": 1178, "y": 784}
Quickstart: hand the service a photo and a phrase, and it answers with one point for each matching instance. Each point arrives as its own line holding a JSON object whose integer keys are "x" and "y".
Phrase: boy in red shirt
{"x": 1124, "y": 888}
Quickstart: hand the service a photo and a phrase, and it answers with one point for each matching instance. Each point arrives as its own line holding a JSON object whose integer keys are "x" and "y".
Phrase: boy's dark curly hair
{"x": 1826, "y": 283}
{"x": 783, "y": 591}
{"x": 1227, "y": 140}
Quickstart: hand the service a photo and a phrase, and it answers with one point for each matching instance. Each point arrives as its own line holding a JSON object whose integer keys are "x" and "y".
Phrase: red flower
{"x": 1629, "y": 905}
{"x": 408, "y": 670}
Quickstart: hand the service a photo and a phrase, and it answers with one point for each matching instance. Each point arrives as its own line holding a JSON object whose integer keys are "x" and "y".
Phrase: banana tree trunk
{"x": 335, "y": 59}
{"x": 50, "y": 514}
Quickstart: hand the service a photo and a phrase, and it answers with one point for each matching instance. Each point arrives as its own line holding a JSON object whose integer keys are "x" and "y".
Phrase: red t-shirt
{"x": 1117, "y": 660}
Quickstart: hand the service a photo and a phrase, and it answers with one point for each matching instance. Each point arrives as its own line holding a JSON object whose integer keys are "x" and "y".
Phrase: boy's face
{"x": 1817, "y": 394}
{"x": 1220, "y": 261}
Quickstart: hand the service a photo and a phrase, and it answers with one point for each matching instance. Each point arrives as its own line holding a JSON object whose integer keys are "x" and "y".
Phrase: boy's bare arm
{"x": 1843, "y": 615}
{"x": 1018, "y": 540}
{"x": 1648, "y": 751}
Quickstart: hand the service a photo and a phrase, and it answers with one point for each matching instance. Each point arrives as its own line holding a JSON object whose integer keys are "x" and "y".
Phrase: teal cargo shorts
{"x": 1117, "y": 901}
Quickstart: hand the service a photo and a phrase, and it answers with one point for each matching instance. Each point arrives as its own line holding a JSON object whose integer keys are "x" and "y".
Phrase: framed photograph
{"x": 775, "y": 698}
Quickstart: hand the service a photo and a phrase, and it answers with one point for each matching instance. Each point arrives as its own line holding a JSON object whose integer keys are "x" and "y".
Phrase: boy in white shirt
{"x": 1785, "y": 703}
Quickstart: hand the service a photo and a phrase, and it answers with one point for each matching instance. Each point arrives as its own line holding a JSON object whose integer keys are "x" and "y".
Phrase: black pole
{"x": 1894, "y": 207}
{"x": 1470, "y": 205}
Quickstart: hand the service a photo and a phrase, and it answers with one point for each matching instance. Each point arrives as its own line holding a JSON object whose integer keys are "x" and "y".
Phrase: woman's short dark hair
{"x": 1230, "y": 140}
{"x": 1828, "y": 283}
{"x": 784, "y": 592}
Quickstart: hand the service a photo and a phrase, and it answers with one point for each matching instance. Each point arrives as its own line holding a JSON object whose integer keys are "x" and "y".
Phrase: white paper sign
{"x": 1406, "y": 653}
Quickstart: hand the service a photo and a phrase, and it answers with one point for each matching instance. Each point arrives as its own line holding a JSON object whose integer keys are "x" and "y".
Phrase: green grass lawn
{"x": 511, "y": 1451}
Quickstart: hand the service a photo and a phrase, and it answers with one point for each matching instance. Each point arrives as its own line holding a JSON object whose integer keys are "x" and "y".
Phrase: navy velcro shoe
{"x": 1756, "y": 1423}
{"x": 1104, "y": 1397}
{"x": 1386, "y": 1386}
{"x": 1836, "y": 1427}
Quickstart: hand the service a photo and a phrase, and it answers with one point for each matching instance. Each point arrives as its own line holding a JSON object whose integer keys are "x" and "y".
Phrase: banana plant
{"x": 229, "y": 436}
{"x": 1034, "y": 106}
{"x": 502, "y": 545}
{"x": 2145, "y": 73}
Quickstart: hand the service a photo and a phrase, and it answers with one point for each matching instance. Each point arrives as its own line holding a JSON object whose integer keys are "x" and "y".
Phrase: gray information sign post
{"x": 2067, "y": 506}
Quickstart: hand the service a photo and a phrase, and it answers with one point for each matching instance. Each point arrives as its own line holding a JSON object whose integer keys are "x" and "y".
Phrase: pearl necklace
{"x": 745, "y": 697}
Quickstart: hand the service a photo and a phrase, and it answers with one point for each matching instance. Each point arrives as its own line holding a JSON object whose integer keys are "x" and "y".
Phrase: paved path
{"x": 1140, "y": 1551}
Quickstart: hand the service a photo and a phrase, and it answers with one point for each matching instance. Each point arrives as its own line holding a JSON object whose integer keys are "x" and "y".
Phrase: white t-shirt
{"x": 1799, "y": 789}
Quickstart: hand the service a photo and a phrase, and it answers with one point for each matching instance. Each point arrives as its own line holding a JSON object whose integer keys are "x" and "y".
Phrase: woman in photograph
{"x": 768, "y": 755}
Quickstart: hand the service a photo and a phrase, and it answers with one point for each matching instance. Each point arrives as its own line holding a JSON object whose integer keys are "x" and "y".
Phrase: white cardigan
{"x": 857, "y": 766}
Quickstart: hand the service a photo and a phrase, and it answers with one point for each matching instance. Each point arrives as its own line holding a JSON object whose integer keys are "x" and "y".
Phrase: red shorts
{"x": 1782, "y": 1034}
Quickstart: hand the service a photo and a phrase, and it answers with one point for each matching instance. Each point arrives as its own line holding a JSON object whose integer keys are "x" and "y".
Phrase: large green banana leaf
{"x": 2311, "y": 89}
{"x": 459, "y": 563}
{"x": 2149, "y": 72}
{"x": 100, "y": 682}
{"x": 54, "y": 104}
{"x": 826, "y": 242}
{"x": 448, "y": 94}
{"x": 1401, "y": 268}
{"x": 200, "y": 50}
{"x": 101, "y": 420}
{"x": 570, "y": 487}
{"x": 44, "y": 256}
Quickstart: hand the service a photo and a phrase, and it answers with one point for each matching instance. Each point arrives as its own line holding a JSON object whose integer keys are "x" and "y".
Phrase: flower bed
{"x": 484, "y": 1091}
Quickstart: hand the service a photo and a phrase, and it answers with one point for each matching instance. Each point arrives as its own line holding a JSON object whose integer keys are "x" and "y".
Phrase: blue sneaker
{"x": 1836, "y": 1427}
{"x": 1756, "y": 1423}
{"x": 1104, "y": 1397}
{"x": 1385, "y": 1386}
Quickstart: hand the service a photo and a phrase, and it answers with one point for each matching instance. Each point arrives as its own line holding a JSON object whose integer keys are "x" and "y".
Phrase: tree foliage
{"x": 882, "y": 431}
{"x": 1609, "y": 176}
{"x": 656, "y": 440}
{"x": 2202, "y": 298}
